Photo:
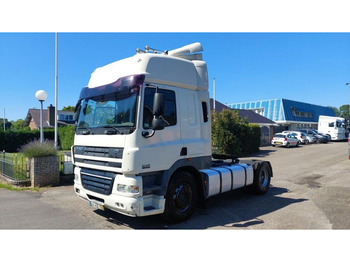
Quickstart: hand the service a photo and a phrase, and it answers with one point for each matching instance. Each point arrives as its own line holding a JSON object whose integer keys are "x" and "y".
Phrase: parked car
{"x": 309, "y": 134}
{"x": 319, "y": 138}
{"x": 287, "y": 140}
{"x": 300, "y": 135}
{"x": 328, "y": 136}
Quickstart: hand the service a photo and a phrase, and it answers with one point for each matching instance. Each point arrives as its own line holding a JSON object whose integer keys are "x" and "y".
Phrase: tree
{"x": 18, "y": 124}
{"x": 344, "y": 111}
{"x": 7, "y": 124}
{"x": 336, "y": 110}
{"x": 68, "y": 108}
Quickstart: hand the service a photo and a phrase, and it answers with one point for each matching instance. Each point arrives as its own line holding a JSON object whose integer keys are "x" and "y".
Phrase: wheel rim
{"x": 182, "y": 197}
{"x": 263, "y": 178}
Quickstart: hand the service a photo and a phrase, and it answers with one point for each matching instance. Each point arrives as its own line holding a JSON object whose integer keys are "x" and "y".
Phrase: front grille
{"x": 106, "y": 156}
{"x": 108, "y": 152}
{"x": 97, "y": 181}
{"x": 99, "y": 163}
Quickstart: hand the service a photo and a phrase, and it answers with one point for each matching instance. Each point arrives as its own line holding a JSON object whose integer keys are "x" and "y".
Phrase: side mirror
{"x": 158, "y": 111}
{"x": 158, "y": 104}
{"x": 158, "y": 123}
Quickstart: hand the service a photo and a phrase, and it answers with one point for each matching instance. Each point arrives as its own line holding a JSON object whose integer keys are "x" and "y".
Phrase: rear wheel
{"x": 262, "y": 178}
{"x": 181, "y": 197}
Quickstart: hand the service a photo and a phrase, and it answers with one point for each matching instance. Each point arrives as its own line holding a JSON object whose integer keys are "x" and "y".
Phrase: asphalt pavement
{"x": 310, "y": 190}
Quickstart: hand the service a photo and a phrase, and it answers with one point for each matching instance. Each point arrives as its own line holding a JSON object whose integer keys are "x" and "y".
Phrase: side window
{"x": 170, "y": 107}
{"x": 205, "y": 112}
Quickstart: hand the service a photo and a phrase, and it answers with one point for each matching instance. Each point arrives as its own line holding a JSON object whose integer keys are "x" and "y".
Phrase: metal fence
{"x": 13, "y": 166}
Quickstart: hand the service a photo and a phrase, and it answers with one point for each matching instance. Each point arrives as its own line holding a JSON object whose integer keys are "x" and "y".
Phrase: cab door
{"x": 190, "y": 123}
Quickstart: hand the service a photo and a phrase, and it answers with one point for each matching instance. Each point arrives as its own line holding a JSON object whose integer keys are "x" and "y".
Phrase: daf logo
{"x": 146, "y": 166}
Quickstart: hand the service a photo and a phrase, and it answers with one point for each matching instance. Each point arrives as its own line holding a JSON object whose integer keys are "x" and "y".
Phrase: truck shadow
{"x": 237, "y": 209}
{"x": 262, "y": 152}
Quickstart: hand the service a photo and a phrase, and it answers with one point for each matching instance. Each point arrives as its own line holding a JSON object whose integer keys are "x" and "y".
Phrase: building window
{"x": 301, "y": 113}
{"x": 259, "y": 111}
{"x": 65, "y": 117}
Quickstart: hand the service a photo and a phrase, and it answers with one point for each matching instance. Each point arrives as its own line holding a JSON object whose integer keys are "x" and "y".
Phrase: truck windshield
{"x": 109, "y": 109}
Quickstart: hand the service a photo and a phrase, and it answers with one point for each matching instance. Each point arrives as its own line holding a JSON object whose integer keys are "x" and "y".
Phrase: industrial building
{"x": 289, "y": 114}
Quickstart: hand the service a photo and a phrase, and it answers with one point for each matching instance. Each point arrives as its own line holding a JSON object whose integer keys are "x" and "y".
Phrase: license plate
{"x": 96, "y": 205}
{"x": 278, "y": 143}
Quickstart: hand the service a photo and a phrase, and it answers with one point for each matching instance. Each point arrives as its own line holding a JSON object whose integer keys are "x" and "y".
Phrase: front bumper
{"x": 128, "y": 204}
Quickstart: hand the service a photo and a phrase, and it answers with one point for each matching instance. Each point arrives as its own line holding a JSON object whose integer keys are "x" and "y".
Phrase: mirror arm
{"x": 146, "y": 134}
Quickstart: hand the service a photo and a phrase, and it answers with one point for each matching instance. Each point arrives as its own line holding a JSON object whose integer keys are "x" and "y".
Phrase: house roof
{"x": 250, "y": 115}
{"x": 34, "y": 114}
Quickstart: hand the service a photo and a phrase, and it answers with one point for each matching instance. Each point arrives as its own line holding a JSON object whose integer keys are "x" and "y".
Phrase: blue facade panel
{"x": 286, "y": 110}
{"x": 303, "y": 112}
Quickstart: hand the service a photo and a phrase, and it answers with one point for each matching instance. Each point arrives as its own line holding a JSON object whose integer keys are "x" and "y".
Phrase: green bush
{"x": 36, "y": 149}
{"x": 233, "y": 135}
{"x": 251, "y": 141}
{"x": 66, "y": 137}
{"x": 12, "y": 140}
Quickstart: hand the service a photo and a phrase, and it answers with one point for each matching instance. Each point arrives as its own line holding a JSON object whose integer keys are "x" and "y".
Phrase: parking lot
{"x": 310, "y": 190}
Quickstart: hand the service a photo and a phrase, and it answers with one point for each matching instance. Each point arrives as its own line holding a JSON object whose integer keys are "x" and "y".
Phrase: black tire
{"x": 288, "y": 145}
{"x": 262, "y": 178}
{"x": 181, "y": 197}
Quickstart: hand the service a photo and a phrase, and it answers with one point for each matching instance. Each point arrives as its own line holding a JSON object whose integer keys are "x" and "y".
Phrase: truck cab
{"x": 143, "y": 135}
{"x": 336, "y": 127}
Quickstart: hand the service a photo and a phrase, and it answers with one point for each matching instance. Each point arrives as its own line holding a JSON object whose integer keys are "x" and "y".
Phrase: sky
{"x": 306, "y": 67}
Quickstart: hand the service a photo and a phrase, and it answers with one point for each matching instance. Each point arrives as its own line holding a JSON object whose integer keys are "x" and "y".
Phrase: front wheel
{"x": 181, "y": 197}
{"x": 262, "y": 178}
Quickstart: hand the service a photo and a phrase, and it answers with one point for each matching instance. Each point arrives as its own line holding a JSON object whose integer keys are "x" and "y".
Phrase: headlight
{"x": 127, "y": 189}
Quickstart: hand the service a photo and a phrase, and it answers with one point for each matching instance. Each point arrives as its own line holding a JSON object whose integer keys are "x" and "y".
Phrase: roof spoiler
{"x": 188, "y": 52}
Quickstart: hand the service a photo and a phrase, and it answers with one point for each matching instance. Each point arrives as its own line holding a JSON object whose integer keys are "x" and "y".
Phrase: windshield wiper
{"x": 87, "y": 132}
{"x": 108, "y": 132}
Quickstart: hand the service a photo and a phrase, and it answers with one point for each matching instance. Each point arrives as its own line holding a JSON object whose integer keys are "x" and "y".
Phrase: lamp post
{"x": 56, "y": 86}
{"x": 41, "y": 95}
{"x": 348, "y": 84}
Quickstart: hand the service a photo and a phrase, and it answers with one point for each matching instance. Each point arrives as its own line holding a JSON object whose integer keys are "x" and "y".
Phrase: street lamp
{"x": 41, "y": 95}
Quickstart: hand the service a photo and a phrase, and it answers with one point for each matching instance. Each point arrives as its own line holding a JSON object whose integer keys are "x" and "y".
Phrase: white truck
{"x": 333, "y": 126}
{"x": 142, "y": 144}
